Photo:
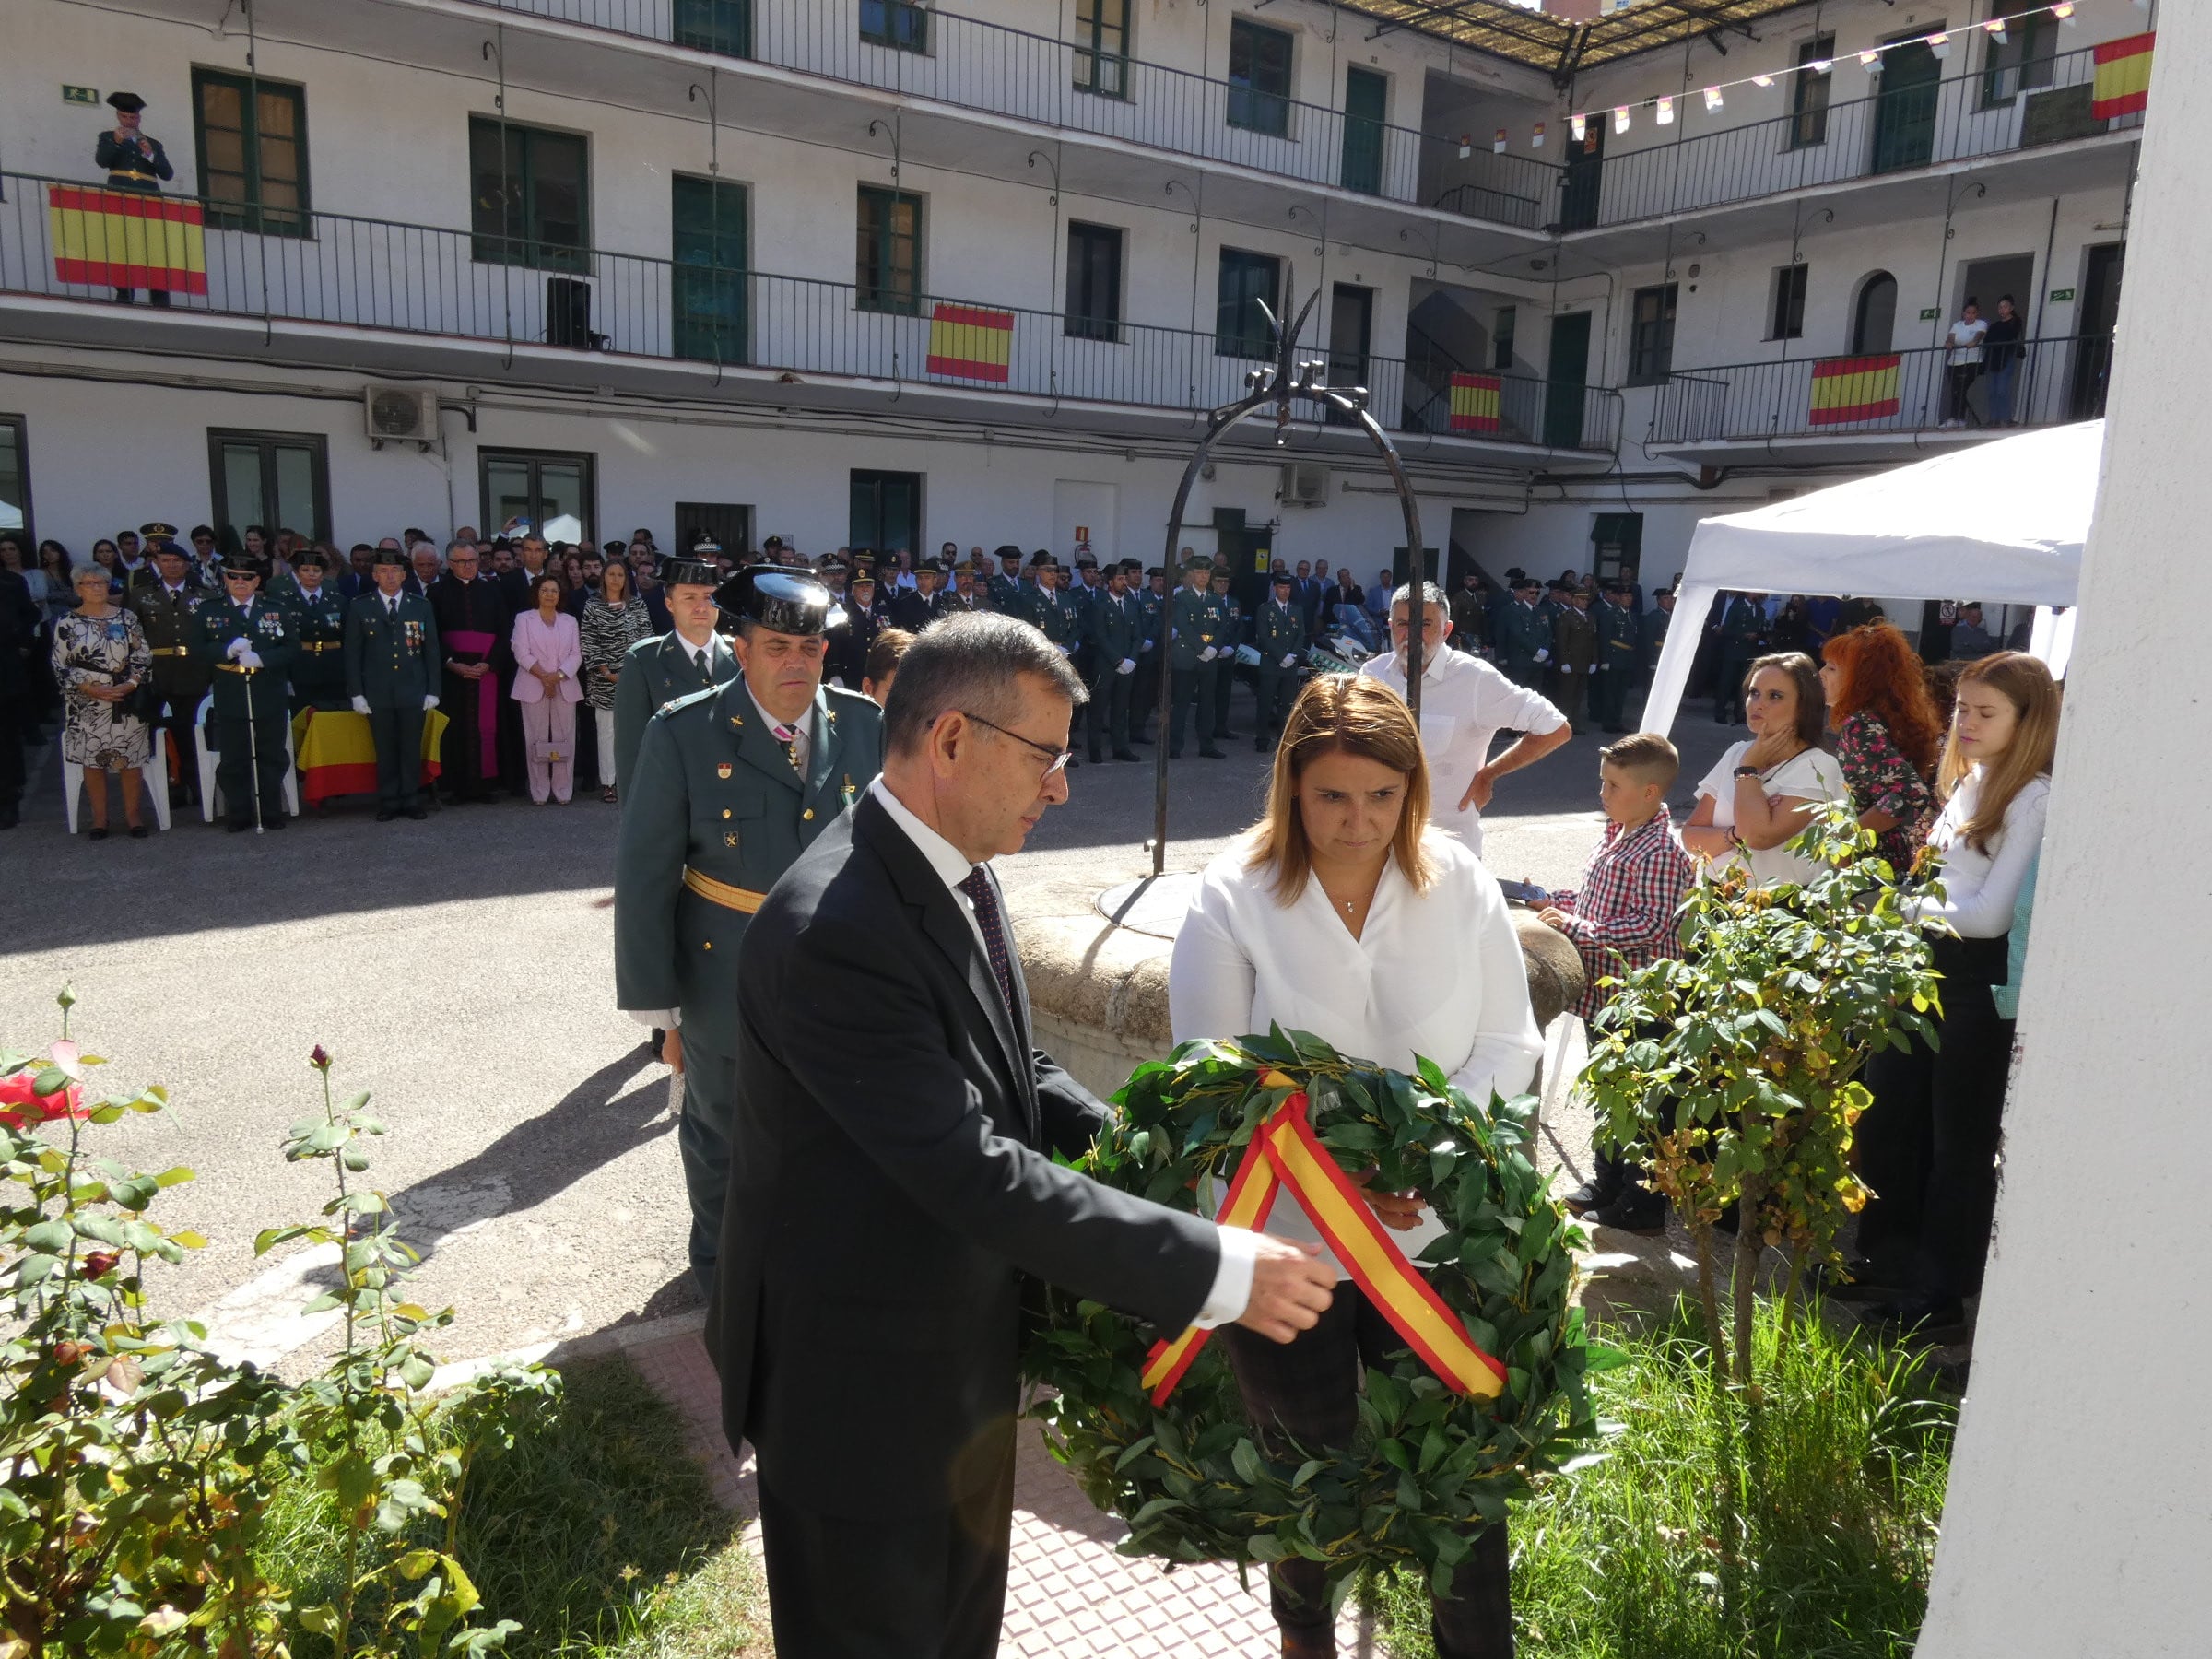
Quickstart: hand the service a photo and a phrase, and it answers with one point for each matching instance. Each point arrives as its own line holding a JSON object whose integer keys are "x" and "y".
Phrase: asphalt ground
{"x": 460, "y": 971}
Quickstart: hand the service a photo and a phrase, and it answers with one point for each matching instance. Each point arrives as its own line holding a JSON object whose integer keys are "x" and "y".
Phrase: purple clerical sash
{"x": 480, "y": 645}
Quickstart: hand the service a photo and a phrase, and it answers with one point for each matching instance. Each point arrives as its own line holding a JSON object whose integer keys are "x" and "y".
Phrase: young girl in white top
{"x": 1343, "y": 914}
{"x": 1760, "y": 797}
{"x": 1928, "y": 1145}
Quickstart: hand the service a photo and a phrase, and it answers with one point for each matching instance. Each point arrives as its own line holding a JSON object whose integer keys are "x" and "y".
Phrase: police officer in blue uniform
{"x": 731, "y": 785}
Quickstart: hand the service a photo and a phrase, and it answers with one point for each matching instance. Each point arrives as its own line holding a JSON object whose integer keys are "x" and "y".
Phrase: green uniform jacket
{"x": 1574, "y": 640}
{"x": 1057, "y": 617}
{"x": 268, "y": 630}
{"x": 1276, "y": 632}
{"x": 319, "y": 671}
{"x": 1002, "y": 594}
{"x": 1151, "y": 607}
{"x": 392, "y": 661}
{"x": 1117, "y": 629}
{"x": 1741, "y": 624}
{"x": 713, "y": 791}
{"x": 1618, "y": 641}
{"x": 1653, "y": 626}
{"x": 655, "y": 672}
{"x": 1470, "y": 619}
{"x": 1196, "y": 621}
{"x": 172, "y": 630}
{"x": 1523, "y": 631}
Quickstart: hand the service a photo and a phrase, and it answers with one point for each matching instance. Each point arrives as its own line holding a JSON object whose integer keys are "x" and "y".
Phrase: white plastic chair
{"x": 152, "y": 775}
{"x": 211, "y": 795}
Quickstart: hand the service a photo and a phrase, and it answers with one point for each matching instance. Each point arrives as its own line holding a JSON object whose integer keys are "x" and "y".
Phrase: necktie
{"x": 985, "y": 899}
{"x": 788, "y": 736}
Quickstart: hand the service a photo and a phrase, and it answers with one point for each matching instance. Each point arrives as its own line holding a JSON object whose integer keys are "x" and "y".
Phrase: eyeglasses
{"x": 1059, "y": 758}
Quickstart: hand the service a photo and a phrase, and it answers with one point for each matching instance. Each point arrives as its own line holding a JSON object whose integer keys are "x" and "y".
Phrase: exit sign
{"x": 2061, "y": 295}
{"x": 79, "y": 95}
{"x": 1930, "y": 314}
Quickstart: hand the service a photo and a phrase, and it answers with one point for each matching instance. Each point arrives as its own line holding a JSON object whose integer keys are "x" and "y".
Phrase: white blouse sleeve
{"x": 1986, "y": 912}
{"x": 1210, "y": 978}
{"x": 1506, "y": 1043}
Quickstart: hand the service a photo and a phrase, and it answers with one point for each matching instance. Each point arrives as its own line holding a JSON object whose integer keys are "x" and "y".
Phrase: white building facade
{"x": 869, "y": 272}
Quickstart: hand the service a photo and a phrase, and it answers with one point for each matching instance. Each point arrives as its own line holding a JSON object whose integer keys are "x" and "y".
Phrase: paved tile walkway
{"x": 1068, "y": 1595}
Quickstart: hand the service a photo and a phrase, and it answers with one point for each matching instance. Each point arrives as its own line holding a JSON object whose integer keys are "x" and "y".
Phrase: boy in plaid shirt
{"x": 1622, "y": 918}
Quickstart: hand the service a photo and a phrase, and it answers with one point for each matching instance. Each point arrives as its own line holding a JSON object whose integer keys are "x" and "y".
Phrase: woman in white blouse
{"x": 548, "y": 658}
{"x": 1928, "y": 1144}
{"x": 1758, "y": 799}
{"x": 1344, "y": 915}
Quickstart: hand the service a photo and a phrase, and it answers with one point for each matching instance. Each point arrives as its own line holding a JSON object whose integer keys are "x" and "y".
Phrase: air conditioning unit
{"x": 1305, "y": 484}
{"x": 401, "y": 415}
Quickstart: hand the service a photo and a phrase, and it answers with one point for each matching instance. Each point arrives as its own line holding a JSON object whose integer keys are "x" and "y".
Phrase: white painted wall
{"x": 2078, "y": 1522}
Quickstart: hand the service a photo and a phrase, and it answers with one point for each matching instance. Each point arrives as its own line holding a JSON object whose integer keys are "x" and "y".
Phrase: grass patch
{"x": 1843, "y": 1479}
{"x": 598, "y": 1532}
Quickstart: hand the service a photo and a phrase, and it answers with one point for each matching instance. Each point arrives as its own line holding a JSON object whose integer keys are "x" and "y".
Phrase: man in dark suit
{"x": 893, "y": 1177}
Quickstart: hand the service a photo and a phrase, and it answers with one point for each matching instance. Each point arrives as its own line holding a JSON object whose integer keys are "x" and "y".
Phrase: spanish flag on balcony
{"x": 1475, "y": 403}
{"x": 121, "y": 239}
{"x": 2122, "y": 85}
{"x": 1849, "y": 389}
{"x": 970, "y": 342}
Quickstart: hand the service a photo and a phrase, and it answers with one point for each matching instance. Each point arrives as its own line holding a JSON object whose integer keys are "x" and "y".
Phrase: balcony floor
{"x": 238, "y": 344}
{"x": 1839, "y": 448}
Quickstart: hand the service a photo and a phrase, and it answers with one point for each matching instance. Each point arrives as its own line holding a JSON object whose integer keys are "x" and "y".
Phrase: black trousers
{"x": 174, "y": 721}
{"x": 1307, "y": 1391}
{"x": 1928, "y": 1148}
{"x": 16, "y": 724}
{"x": 930, "y": 1587}
{"x": 1225, "y": 685}
{"x": 1728, "y": 683}
{"x": 1278, "y": 691}
{"x": 1143, "y": 696}
{"x": 466, "y": 771}
{"x": 1184, "y": 685}
{"x": 1108, "y": 716}
{"x": 397, "y": 733}
{"x": 1609, "y": 689}
{"x": 251, "y": 761}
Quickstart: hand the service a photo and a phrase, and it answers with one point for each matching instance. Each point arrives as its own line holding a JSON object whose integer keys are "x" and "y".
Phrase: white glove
{"x": 1128, "y": 665}
{"x": 361, "y": 705}
{"x": 1543, "y": 656}
{"x": 238, "y": 649}
{"x": 428, "y": 704}
{"x": 1145, "y": 646}
{"x": 1289, "y": 659}
{"x": 839, "y": 681}
{"x": 247, "y": 659}
{"x": 1208, "y": 655}
{"x": 1067, "y": 650}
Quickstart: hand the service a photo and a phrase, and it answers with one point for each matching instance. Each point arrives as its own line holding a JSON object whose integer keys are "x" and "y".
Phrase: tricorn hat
{"x": 130, "y": 103}
{"x": 383, "y": 556}
{"x": 780, "y": 600}
{"x": 242, "y": 563}
{"x": 700, "y": 571}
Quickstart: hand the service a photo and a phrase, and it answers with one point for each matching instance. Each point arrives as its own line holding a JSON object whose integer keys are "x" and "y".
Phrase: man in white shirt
{"x": 1465, "y": 704}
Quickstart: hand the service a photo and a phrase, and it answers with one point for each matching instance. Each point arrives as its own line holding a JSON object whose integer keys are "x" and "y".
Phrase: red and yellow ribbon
{"x": 1285, "y": 1152}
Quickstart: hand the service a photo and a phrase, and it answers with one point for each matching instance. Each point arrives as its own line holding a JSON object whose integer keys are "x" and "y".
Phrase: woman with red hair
{"x": 1887, "y": 734}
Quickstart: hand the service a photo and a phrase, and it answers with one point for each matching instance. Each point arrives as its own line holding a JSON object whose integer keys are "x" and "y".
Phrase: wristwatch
{"x": 1748, "y": 771}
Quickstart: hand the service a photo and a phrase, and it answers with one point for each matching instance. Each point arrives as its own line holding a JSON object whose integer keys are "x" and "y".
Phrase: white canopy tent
{"x": 2003, "y": 522}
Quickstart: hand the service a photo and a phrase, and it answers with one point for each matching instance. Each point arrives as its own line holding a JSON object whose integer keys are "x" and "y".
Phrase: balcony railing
{"x": 2053, "y": 380}
{"x": 1896, "y": 129}
{"x": 896, "y": 46}
{"x": 425, "y": 280}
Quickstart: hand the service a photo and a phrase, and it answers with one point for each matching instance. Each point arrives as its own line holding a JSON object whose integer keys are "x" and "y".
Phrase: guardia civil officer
{"x": 729, "y": 786}
{"x": 319, "y": 626}
{"x": 168, "y": 612}
{"x": 247, "y": 641}
{"x": 1117, "y": 634}
{"x": 846, "y": 660}
{"x": 1197, "y": 634}
{"x": 692, "y": 656}
{"x": 1620, "y": 651}
{"x": 392, "y": 661}
{"x": 135, "y": 161}
{"x": 1278, "y": 634}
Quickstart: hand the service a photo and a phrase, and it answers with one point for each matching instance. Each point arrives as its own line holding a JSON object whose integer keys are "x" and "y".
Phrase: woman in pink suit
{"x": 548, "y": 656}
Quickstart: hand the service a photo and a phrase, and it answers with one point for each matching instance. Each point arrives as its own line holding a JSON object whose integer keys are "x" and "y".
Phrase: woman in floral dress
{"x": 99, "y": 657}
{"x": 1887, "y": 735}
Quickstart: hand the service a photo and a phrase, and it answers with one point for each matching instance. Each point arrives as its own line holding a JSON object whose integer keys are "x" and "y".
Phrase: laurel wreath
{"x": 1428, "y": 1466}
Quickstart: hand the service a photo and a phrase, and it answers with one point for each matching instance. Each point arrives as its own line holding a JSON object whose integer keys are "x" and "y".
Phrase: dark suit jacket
{"x": 891, "y": 1183}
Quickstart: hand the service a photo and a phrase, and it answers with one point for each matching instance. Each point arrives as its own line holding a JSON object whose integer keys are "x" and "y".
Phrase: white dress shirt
{"x": 1465, "y": 704}
{"x": 1981, "y": 888}
{"x": 1240, "y": 1249}
{"x": 1436, "y": 974}
{"x": 800, "y": 741}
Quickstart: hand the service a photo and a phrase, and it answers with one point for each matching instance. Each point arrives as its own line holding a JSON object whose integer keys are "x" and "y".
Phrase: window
{"x": 901, "y": 25}
{"x": 1808, "y": 102}
{"x": 1615, "y": 546}
{"x": 531, "y": 196}
{"x": 1094, "y": 282}
{"x": 1785, "y": 313}
{"x": 1102, "y": 47}
{"x": 15, "y": 482}
{"x": 708, "y": 276}
{"x": 886, "y": 512}
{"x": 251, "y": 136}
{"x": 278, "y": 480}
{"x": 1249, "y": 283}
{"x": 2023, "y": 60}
{"x": 540, "y": 488}
{"x": 888, "y": 275}
{"x": 727, "y": 525}
{"x": 1652, "y": 335}
{"x": 1873, "y": 319}
{"x": 718, "y": 26}
{"x": 1259, "y": 77}
{"x": 1501, "y": 338}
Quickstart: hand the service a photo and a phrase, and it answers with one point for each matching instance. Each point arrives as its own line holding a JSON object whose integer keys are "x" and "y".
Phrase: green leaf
{"x": 1245, "y": 1458}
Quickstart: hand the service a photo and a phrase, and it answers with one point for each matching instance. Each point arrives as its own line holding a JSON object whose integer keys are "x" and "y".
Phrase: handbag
{"x": 548, "y": 754}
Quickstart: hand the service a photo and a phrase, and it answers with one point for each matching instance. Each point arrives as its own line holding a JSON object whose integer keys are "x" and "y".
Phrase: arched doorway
{"x": 1874, "y": 317}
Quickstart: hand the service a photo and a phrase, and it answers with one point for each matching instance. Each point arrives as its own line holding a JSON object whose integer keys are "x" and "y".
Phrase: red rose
{"x": 21, "y": 1104}
{"x": 99, "y": 1263}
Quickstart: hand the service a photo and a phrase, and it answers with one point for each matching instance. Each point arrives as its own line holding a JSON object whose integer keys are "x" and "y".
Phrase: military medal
{"x": 723, "y": 771}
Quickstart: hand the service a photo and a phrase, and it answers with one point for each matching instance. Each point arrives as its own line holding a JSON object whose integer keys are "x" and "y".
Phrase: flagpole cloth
{"x": 1285, "y": 1152}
